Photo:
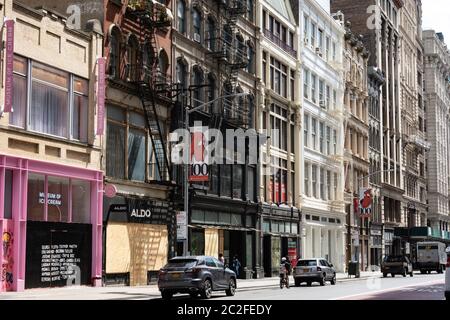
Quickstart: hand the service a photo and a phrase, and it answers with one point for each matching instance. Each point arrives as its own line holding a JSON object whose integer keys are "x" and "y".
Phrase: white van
{"x": 431, "y": 256}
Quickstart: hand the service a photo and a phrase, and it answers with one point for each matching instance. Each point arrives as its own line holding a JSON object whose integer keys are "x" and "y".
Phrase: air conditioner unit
{"x": 197, "y": 37}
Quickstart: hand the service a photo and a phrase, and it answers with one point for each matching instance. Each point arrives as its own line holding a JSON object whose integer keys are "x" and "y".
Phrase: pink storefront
{"x": 51, "y": 224}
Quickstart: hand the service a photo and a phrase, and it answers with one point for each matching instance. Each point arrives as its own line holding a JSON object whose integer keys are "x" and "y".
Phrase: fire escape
{"x": 153, "y": 86}
{"x": 231, "y": 55}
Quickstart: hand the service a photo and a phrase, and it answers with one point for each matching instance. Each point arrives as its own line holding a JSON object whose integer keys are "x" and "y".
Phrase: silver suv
{"x": 314, "y": 270}
{"x": 195, "y": 275}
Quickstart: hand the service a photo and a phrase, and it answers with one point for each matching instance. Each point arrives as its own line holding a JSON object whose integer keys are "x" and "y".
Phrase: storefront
{"x": 51, "y": 227}
{"x": 376, "y": 244}
{"x": 280, "y": 226}
{"x": 137, "y": 238}
{"x": 222, "y": 226}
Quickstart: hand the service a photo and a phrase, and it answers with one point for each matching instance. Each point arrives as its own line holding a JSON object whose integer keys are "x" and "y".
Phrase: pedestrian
{"x": 236, "y": 266}
{"x": 221, "y": 258}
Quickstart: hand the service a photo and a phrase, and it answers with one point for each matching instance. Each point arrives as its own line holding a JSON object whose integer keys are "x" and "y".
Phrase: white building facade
{"x": 321, "y": 41}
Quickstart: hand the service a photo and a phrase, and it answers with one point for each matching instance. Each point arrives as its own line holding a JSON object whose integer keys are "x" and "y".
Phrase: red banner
{"x": 9, "y": 65}
{"x": 101, "y": 88}
{"x": 199, "y": 169}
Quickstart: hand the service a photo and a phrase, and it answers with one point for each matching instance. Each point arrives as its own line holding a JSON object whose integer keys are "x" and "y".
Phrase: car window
{"x": 324, "y": 263}
{"x": 210, "y": 262}
{"x": 181, "y": 263}
{"x": 218, "y": 263}
{"x": 307, "y": 263}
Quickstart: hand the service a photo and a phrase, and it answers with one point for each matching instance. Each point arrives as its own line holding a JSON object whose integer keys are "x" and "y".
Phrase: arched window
{"x": 197, "y": 81}
{"x": 181, "y": 14}
{"x": 114, "y": 53}
{"x": 181, "y": 72}
{"x": 197, "y": 25}
{"x": 211, "y": 34}
{"x": 163, "y": 65}
{"x": 147, "y": 61}
{"x": 132, "y": 58}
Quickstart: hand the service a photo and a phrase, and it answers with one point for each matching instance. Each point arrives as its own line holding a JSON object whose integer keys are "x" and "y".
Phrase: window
{"x": 314, "y": 180}
{"x": 211, "y": 34}
{"x": 307, "y": 171}
{"x": 322, "y": 136}
{"x": 320, "y": 40}
{"x": 225, "y": 180}
{"x": 327, "y": 97}
{"x": 314, "y": 132}
{"x": 313, "y": 88}
{"x": 197, "y": 25}
{"x": 305, "y": 28}
{"x": 278, "y": 77}
{"x": 327, "y": 149}
{"x": 251, "y": 59}
{"x": 181, "y": 13}
{"x": 114, "y": 53}
{"x": 127, "y": 156}
{"x": 334, "y": 57}
{"x": 250, "y": 10}
{"x": 328, "y": 182}
{"x": 335, "y": 186}
{"x": 8, "y": 194}
{"x": 327, "y": 48}
{"x": 334, "y": 99}
{"x": 58, "y": 105}
{"x": 18, "y": 116}
{"x": 132, "y": 67}
{"x": 198, "y": 82}
{"x": 181, "y": 72}
{"x": 305, "y": 129}
{"x": 237, "y": 181}
{"x": 313, "y": 34}
{"x": 322, "y": 184}
{"x": 335, "y": 142}
{"x": 322, "y": 94}
{"x": 306, "y": 84}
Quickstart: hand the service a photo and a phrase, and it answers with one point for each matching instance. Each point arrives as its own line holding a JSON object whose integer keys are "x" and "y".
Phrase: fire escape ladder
{"x": 151, "y": 83}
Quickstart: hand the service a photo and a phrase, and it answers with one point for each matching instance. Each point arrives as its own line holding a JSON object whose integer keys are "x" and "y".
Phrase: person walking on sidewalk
{"x": 236, "y": 266}
{"x": 221, "y": 258}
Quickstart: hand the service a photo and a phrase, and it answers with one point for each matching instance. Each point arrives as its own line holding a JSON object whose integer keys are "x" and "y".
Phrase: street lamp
{"x": 187, "y": 113}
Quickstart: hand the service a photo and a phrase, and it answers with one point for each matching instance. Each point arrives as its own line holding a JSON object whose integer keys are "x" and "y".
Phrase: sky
{"x": 436, "y": 16}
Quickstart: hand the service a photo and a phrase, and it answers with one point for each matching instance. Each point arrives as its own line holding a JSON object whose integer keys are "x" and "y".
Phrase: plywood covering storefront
{"x": 135, "y": 248}
{"x": 212, "y": 242}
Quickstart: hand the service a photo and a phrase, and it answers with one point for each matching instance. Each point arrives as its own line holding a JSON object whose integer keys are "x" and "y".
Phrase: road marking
{"x": 390, "y": 289}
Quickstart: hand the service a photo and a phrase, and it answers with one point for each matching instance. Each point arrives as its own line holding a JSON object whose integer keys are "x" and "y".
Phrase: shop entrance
{"x": 234, "y": 245}
{"x": 58, "y": 254}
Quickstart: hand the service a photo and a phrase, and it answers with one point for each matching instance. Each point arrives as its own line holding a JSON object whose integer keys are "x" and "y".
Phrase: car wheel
{"x": 297, "y": 282}
{"x": 166, "y": 295}
{"x": 322, "y": 281}
{"x": 231, "y": 288}
{"x": 333, "y": 280}
{"x": 384, "y": 275}
{"x": 207, "y": 289}
{"x": 308, "y": 283}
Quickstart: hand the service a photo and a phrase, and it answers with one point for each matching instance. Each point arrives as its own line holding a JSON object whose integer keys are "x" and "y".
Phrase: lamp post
{"x": 187, "y": 112}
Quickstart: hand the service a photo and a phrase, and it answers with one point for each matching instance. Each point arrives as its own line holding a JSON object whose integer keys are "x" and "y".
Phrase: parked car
{"x": 397, "y": 265}
{"x": 431, "y": 256}
{"x": 447, "y": 276}
{"x": 195, "y": 275}
{"x": 314, "y": 270}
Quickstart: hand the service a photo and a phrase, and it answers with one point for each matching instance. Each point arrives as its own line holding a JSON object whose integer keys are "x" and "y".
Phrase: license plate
{"x": 305, "y": 270}
{"x": 175, "y": 276}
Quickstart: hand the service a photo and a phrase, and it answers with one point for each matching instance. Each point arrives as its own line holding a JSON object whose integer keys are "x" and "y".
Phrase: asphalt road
{"x": 419, "y": 287}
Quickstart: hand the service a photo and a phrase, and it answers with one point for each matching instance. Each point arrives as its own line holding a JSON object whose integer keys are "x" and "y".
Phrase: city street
{"x": 371, "y": 286}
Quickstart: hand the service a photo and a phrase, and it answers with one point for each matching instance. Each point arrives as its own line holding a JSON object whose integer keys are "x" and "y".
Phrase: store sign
{"x": 181, "y": 225}
{"x": 101, "y": 92}
{"x": 365, "y": 203}
{"x": 9, "y": 65}
{"x": 141, "y": 213}
{"x": 52, "y": 198}
{"x": 199, "y": 169}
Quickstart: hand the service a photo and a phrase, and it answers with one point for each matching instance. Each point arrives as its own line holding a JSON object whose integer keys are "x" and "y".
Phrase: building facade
{"x": 279, "y": 115}
{"x": 322, "y": 91}
{"x": 356, "y": 147}
{"x": 51, "y": 181}
{"x": 382, "y": 39}
{"x": 139, "y": 217}
{"x": 437, "y": 93}
{"x": 214, "y": 58}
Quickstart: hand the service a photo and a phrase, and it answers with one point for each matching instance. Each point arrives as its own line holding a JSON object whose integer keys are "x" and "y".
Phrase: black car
{"x": 397, "y": 265}
{"x": 195, "y": 275}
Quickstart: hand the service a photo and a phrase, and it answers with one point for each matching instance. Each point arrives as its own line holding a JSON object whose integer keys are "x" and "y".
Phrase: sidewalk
{"x": 141, "y": 293}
